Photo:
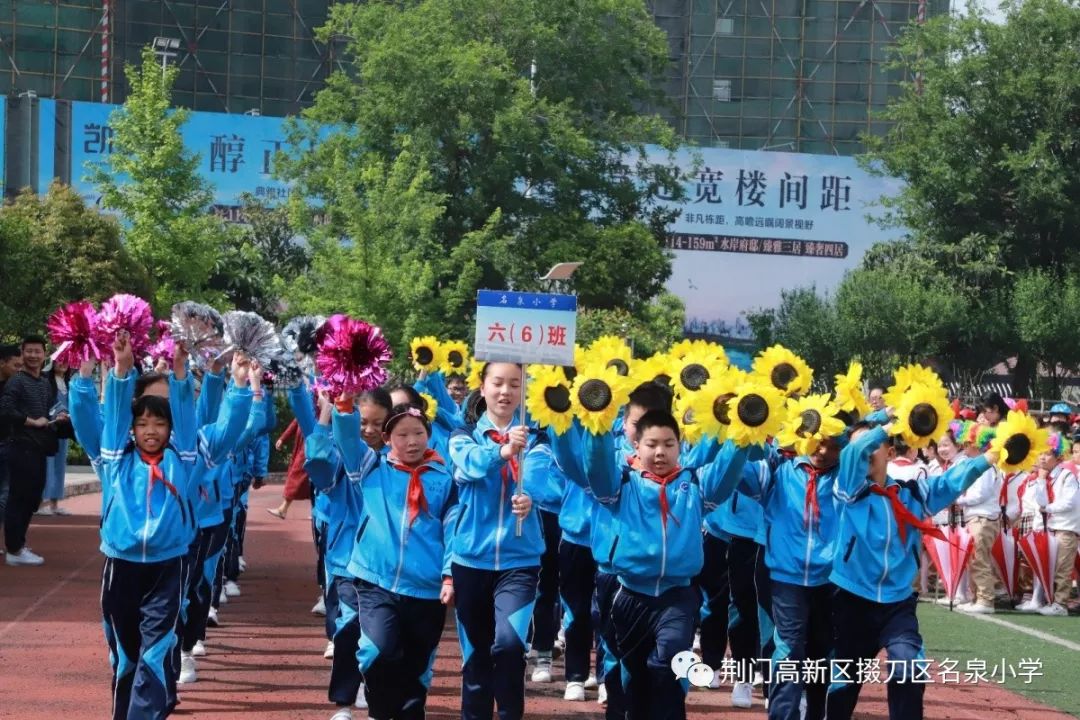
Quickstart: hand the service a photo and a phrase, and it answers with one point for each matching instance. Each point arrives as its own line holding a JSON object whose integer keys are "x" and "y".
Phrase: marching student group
{"x": 642, "y": 509}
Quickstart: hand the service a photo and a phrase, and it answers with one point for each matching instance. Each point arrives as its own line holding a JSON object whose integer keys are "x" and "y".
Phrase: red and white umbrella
{"x": 950, "y": 556}
{"x": 1006, "y": 555}
{"x": 1040, "y": 550}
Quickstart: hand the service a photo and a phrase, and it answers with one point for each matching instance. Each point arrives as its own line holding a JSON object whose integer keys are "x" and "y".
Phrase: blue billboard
{"x": 755, "y": 223}
{"x": 236, "y": 152}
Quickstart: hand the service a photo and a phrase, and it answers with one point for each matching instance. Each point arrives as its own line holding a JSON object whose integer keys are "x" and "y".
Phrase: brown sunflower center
{"x": 782, "y": 375}
{"x": 923, "y": 420}
{"x": 1017, "y": 448}
{"x": 595, "y": 395}
{"x": 455, "y": 358}
{"x": 620, "y": 366}
{"x": 721, "y": 409}
{"x": 424, "y": 355}
{"x": 810, "y": 423}
{"x": 753, "y": 410}
{"x": 557, "y": 398}
{"x": 693, "y": 376}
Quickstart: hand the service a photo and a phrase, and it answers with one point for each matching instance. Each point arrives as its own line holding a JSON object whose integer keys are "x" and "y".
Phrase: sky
{"x": 990, "y": 6}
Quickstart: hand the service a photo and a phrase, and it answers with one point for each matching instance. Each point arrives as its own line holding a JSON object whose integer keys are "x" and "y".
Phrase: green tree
{"x": 652, "y": 329}
{"x": 152, "y": 181}
{"x": 521, "y": 169}
{"x": 988, "y": 145}
{"x": 56, "y": 250}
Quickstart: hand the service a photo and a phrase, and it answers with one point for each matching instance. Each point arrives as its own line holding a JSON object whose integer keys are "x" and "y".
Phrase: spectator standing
{"x": 10, "y": 363}
{"x": 25, "y": 405}
{"x": 59, "y": 375}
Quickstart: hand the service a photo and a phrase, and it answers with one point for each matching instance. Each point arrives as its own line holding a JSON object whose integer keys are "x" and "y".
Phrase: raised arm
{"x": 720, "y": 477}
{"x": 300, "y": 402}
{"x": 941, "y": 491}
{"x": 182, "y": 409}
{"x": 116, "y": 426}
{"x": 566, "y": 450}
{"x": 357, "y": 457}
{"x": 852, "y": 478}
{"x": 601, "y": 467}
{"x": 209, "y": 403}
{"x": 434, "y": 384}
{"x": 85, "y": 409}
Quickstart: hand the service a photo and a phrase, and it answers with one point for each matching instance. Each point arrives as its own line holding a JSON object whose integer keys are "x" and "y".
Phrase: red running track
{"x": 266, "y": 659}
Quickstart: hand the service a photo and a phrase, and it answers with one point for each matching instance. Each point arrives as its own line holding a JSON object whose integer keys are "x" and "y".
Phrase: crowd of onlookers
{"x": 35, "y": 431}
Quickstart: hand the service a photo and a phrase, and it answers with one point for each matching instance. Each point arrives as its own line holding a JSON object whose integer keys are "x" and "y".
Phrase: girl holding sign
{"x": 495, "y": 569}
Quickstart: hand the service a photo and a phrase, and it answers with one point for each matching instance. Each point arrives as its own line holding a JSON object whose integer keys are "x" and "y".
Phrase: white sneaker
{"x": 61, "y": 511}
{"x": 329, "y": 652}
{"x": 45, "y": 510}
{"x": 187, "y": 669}
{"x": 715, "y": 682}
{"x": 758, "y": 679}
{"x": 976, "y": 609}
{"x": 319, "y": 608}
{"x": 602, "y": 696}
{"x": 542, "y": 673}
{"x": 590, "y": 682}
{"x": 955, "y": 602}
{"x": 361, "y": 698}
{"x": 243, "y": 564}
{"x": 211, "y": 618}
{"x": 742, "y": 695}
{"x": 342, "y": 714}
{"x": 697, "y": 642}
{"x": 24, "y": 557}
{"x": 223, "y": 598}
{"x": 231, "y": 589}
{"x": 1054, "y": 610}
{"x": 1030, "y": 606}
{"x": 199, "y": 650}
{"x": 574, "y": 691}
{"x": 802, "y": 707}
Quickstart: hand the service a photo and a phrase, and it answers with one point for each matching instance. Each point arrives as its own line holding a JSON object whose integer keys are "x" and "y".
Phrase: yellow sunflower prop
{"x": 426, "y": 353}
{"x": 849, "y": 391}
{"x": 597, "y": 395}
{"x": 756, "y": 412}
{"x": 476, "y": 368}
{"x": 710, "y": 405}
{"x": 431, "y": 406}
{"x": 611, "y": 351}
{"x": 922, "y": 416}
{"x": 548, "y": 398}
{"x": 684, "y": 414}
{"x": 455, "y": 357}
{"x": 810, "y": 419}
{"x": 784, "y": 370}
{"x": 907, "y": 377}
{"x": 657, "y": 368}
{"x": 1019, "y": 441}
{"x": 693, "y": 371}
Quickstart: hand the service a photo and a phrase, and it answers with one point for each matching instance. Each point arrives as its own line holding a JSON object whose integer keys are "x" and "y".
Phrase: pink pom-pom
{"x": 164, "y": 347}
{"x": 72, "y": 331}
{"x": 352, "y": 355}
{"x": 125, "y": 312}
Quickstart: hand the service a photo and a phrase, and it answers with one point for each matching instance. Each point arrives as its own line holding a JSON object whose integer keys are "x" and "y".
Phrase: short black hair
{"x": 876, "y": 384}
{"x": 153, "y": 406}
{"x": 899, "y": 445}
{"x": 145, "y": 380}
{"x": 379, "y": 397}
{"x": 9, "y": 351}
{"x": 1060, "y": 426}
{"x": 414, "y": 397}
{"x": 651, "y": 396}
{"x": 657, "y": 418}
{"x": 33, "y": 340}
{"x": 455, "y": 376}
{"x": 995, "y": 401}
{"x": 475, "y": 406}
{"x": 400, "y": 412}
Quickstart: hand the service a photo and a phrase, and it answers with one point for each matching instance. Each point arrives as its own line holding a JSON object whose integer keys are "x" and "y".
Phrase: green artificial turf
{"x": 961, "y": 638}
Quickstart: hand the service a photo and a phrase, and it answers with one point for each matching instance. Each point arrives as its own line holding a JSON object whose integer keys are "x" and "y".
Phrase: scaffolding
{"x": 255, "y": 56}
{"x": 794, "y": 75}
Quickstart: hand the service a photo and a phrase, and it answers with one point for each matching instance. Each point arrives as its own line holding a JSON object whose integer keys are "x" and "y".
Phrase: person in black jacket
{"x": 10, "y": 363}
{"x": 25, "y": 405}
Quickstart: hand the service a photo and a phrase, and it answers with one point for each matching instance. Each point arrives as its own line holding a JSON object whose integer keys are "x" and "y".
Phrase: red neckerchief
{"x": 510, "y": 469}
{"x": 156, "y": 475}
{"x": 1023, "y": 486}
{"x": 1003, "y": 497}
{"x": 662, "y": 481}
{"x": 905, "y": 517}
{"x": 1049, "y": 488}
{"x": 414, "y": 496}
{"x": 811, "y": 509}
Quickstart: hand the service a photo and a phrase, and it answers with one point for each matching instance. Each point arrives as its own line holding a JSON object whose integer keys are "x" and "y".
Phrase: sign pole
{"x": 521, "y": 457}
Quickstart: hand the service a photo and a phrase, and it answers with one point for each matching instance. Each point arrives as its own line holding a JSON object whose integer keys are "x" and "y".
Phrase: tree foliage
{"x": 56, "y": 250}
{"x": 151, "y": 180}
{"x": 653, "y": 329}
{"x": 503, "y": 171}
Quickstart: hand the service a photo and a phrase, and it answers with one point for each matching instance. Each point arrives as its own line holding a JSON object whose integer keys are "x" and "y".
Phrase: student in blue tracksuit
{"x": 147, "y": 524}
{"x": 657, "y": 507}
{"x": 547, "y": 496}
{"x": 495, "y": 569}
{"x": 874, "y": 565}
{"x": 449, "y": 415}
{"x": 398, "y": 583}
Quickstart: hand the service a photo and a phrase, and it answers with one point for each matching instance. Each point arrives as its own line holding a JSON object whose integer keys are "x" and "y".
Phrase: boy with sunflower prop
{"x": 879, "y": 534}
{"x": 657, "y": 507}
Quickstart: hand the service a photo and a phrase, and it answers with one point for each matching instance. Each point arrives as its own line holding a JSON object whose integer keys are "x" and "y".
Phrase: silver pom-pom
{"x": 285, "y": 371}
{"x": 299, "y": 334}
{"x": 199, "y": 329}
{"x": 248, "y": 333}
